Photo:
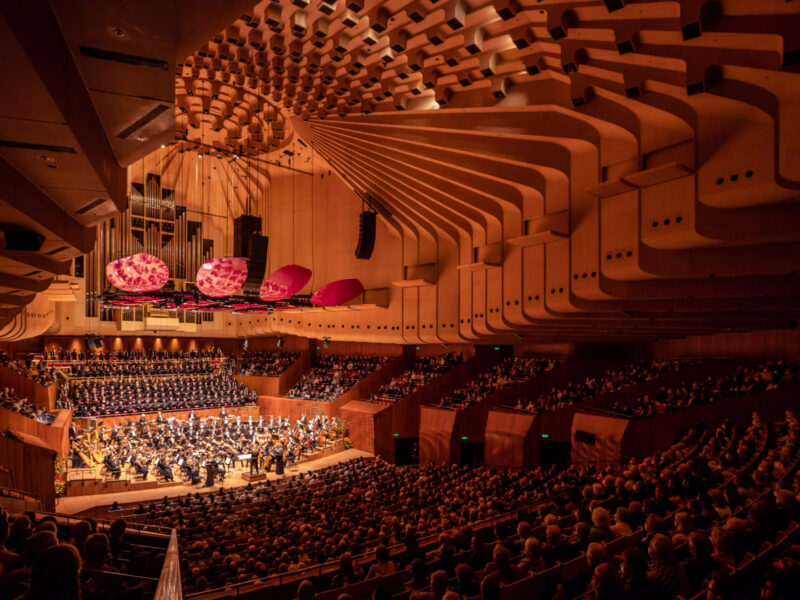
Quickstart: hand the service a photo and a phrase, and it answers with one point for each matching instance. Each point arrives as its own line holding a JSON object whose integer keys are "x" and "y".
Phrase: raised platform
{"x": 86, "y": 504}
{"x": 96, "y": 485}
{"x": 254, "y": 477}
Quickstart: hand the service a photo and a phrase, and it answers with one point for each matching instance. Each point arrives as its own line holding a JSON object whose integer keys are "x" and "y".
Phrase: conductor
{"x": 279, "y": 463}
{"x": 211, "y": 471}
{"x": 255, "y": 461}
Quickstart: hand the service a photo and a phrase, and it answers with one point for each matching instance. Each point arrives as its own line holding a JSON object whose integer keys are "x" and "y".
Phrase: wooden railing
{"x": 169, "y": 584}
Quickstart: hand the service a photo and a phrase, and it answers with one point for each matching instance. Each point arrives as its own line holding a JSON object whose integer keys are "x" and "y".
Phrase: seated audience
{"x": 332, "y": 375}
{"x": 424, "y": 370}
{"x": 266, "y": 364}
{"x": 510, "y": 371}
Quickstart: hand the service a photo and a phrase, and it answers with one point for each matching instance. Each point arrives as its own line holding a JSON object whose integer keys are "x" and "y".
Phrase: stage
{"x": 90, "y": 493}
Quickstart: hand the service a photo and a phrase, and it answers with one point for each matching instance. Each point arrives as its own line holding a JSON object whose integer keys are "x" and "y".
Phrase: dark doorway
{"x": 472, "y": 453}
{"x": 406, "y": 451}
{"x": 554, "y": 453}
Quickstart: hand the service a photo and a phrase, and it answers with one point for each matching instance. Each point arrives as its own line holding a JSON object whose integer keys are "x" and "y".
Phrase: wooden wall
{"x": 507, "y": 438}
{"x": 436, "y": 443}
{"x": 55, "y": 436}
{"x": 33, "y": 466}
{"x": 278, "y": 386}
{"x": 143, "y": 342}
{"x": 291, "y": 343}
{"x": 368, "y": 427}
{"x": 293, "y": 408}
{"x": 233, "y": 411}
{"x": 38, "y": 394}
{"x": 772, "y": 343}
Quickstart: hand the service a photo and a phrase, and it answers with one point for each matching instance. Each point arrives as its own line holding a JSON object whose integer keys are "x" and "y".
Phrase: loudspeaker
{"x": 89, "y": 341}
{"x": 280, "y": 342}
{"x": 244, "y": 228}
{"x": 366, "y": 234}
{"x": 256, "y": 262}
{"x": 23, "y": 239}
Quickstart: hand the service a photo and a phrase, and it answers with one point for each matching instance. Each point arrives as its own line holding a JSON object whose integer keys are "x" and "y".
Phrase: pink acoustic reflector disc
{"x": 337, "y": 292}
{"x": 284, "y": 283}
{"x": 137, "y": 273}
{"x": 220, "y": 277}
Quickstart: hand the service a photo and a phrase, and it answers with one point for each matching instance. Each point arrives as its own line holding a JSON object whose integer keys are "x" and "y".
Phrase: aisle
{"x": 76, "y": 504}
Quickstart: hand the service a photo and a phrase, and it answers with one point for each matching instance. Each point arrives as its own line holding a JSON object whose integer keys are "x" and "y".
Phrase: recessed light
{"x": 140, "y": 138}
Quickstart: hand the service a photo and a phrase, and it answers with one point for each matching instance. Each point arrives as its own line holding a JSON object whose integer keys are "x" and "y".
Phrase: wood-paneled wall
{"x": 507, "y": 438}
{"x": 32, "y": 465}
{"x": 368, "y": 427}
{"x": 55, "y": 436}
{"x": 278, "y": 386}
{"x": 231, "y": 347}
{"x": 293, "y": 408}
{"x": 233, "y": 411}
{"x": 436, "y": 440}
{"x": 772, "y": 343}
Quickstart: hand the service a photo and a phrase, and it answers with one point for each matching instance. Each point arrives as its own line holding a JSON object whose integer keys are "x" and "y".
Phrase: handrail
{"x": 169, "y": 583}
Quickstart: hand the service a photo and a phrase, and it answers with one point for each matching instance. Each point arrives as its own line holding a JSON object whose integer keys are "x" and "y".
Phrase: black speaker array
{"x": 366, "y": 234}
{"x": 257, "y": 262}
{"x": 244, "y": 228}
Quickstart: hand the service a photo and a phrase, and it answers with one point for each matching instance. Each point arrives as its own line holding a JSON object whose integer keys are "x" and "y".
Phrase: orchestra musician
{"x": 112, "y": 465}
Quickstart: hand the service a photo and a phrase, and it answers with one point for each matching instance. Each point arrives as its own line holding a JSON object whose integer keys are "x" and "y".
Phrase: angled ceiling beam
{"x": 20, "y": 193}
{"x": 38, "y": 33}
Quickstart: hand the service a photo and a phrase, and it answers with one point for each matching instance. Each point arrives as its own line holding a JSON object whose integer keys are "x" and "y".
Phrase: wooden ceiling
{"x": 596, "y": 169}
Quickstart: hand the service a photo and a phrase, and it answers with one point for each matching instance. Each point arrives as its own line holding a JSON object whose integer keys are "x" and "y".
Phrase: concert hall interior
{"x": 399, "y": 299}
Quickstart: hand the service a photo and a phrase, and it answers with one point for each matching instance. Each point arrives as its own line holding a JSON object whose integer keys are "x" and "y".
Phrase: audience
{"x": 501, "y": 376}
{"x": 332, "y": 375}
{"x": 266, "y": 364}
{"x": 424, "y": 370}
{"x": 744, "y": 380}
{"x": 144, "y": 367}
{"x": 51, "y": 567}
{"x": 592, "y": 387}
{"x": 9, "y": 400}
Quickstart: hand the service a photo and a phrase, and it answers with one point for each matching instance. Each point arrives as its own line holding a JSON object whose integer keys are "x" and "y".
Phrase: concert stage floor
{"x": 76, "y": 504}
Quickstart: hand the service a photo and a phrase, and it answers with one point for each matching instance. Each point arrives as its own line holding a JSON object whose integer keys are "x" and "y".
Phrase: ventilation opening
{"x": 44, "y": 147}
{"x": 142, "y": 121}
{"x": 57, "y": 250}
{"x": 90, "y": 206}
{"x": 128, "y": 59}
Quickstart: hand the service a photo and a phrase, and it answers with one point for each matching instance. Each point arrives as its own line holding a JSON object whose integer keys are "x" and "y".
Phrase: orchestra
{"x": 191, "y": 446}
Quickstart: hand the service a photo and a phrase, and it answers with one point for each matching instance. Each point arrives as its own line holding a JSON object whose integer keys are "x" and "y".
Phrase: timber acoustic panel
{"x": 590, "y": 169}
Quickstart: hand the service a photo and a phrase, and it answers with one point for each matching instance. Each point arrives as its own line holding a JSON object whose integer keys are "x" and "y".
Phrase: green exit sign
{"x": 497, "y": 347}
{"x": 545, "y": 435}
{"x": 396, "y": 434}
{"x": 463, "y": 437}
